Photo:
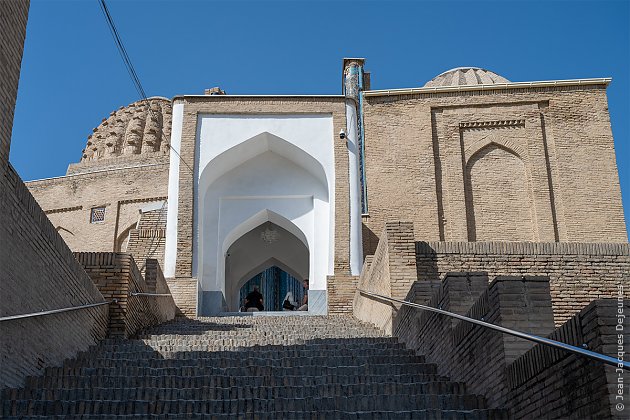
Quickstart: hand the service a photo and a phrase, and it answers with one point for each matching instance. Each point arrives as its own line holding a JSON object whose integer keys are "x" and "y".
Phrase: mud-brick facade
{"x": 524, "y": 163}
{"x": 469, "y": 158}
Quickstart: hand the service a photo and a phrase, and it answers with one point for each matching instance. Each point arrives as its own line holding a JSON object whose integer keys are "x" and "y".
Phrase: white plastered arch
{"x": 264, "y": 178}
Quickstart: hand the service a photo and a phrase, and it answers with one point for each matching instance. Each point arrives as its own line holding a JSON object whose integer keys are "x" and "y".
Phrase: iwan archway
{"x": 265, "y": 246}
{"x": 254, "y": 172}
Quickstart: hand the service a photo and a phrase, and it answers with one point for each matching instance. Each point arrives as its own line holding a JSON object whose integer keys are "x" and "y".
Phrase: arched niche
{"x": 498, "y": 196}
{"x": 264, "y": 179}
{"x": 264, "y": 246}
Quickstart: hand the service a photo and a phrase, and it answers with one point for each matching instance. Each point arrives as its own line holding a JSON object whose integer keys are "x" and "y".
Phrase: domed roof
{"x": 143, "y": 127}
{"x": 466, "y": 76}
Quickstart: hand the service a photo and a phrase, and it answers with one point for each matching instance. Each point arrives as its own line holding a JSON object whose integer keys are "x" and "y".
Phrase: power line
{"x": 132, "y": 73}
{"x": 140, "y": 89}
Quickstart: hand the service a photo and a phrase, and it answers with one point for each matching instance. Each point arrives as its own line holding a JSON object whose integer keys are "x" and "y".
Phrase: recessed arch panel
{"x": 498, "y": 196}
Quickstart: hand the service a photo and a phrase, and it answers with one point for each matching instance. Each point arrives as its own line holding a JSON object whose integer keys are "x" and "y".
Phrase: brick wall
{"x": 36, "y": 267}
{"x": 123, "y": 192}
{"x": 472, "y": 354}
{"x": 532, "y": 381}
{"x": 184, "y": 292}
{"x": 432, "y": 158}
{"x": 390, "y": 272}
{"x": 149, "y": 237}
{"x": 554, "y": 384}
{"x": 38, "y": 272}
{"x": 579, "y": 273}
{"x": 117, "y": 276}
{"x": 13, "y": 17}
{"x": 341, "y": 290}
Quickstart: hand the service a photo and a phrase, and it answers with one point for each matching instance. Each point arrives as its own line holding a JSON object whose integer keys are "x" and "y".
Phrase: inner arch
{"x": 262, "y": 247}
{"x": 257, "y": 145}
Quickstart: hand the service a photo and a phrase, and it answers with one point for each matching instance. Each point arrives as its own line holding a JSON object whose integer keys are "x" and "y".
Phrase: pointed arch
{"x": 241, "y": 184}
{"x": 271, "y": 262}
{"x": 498, "y": 195}
{"x": 123, "y": 238}
{"x": 248, "y": 255}
{"x": 504, "y": 142}
{"x": 257, "y": 145}
{"x": 258, "y": 219}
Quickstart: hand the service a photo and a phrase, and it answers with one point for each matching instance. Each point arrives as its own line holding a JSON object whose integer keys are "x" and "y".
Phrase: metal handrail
{"x": 541, "y": 340}
{"x": 55, "y": 311}
{"x": 74, "y": 308}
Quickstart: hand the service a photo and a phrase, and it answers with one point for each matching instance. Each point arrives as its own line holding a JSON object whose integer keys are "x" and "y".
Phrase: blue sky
{"x": 73, "y": 77}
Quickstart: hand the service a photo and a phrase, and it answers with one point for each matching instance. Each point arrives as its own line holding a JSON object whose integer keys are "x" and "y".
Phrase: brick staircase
{"x": 296, "y": 367}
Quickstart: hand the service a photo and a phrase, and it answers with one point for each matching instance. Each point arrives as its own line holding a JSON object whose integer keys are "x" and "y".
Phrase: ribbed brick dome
{"x": 462, "y": 76}
{"x": 143, "y": 127}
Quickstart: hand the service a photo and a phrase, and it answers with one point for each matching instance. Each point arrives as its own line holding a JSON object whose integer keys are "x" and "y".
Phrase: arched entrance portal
{"x": 266, "y": 246}
{"x": 264, "y": 184}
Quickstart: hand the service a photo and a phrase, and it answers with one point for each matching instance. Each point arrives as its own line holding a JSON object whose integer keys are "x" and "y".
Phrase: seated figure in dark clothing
{"x": 254, "y": 301}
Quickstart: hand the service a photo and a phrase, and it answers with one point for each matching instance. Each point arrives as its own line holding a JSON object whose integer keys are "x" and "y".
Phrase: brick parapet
{"x": 390, "y": 272}
{"x": 523, "y": 248}
{"x": 470, "y": 353}
{"x": 532, "y": 381}
{"x": 117, "y": 277}
{"x": 549, "y": 383}
{"x": 402, "y": 257}
{"x": 375, "y": 277}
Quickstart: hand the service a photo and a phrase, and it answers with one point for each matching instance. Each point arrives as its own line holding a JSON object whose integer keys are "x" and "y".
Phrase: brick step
{"x": 177, "y": 328}
{"x": 283, "y": 327}
{"x": 365, "y": 368}
{"x": 122, "y": 346}
{"x": 208, "y": 362}
{"x": 236, "y": 392}
{"x": 238, "y": 406}
{"x": 224, "y": 381}
{"x": 285, "y": 352}
{"x": 480, "y": 414}
{"x": 260, "y": 339}
{"x": 317, "y": 319}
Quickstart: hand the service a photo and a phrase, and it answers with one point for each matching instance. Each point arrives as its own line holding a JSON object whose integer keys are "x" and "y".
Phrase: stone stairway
{"x": 291, "y": 367}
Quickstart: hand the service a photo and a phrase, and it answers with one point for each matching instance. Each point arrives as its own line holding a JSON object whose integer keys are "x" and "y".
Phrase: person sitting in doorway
{"x": 254, "y": 301}
{"x": 289, "y": 303}
{"x": 304, "y": 306}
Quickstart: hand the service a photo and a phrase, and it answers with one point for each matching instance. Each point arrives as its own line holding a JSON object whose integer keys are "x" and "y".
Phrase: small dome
{"x": 466, "y": 76}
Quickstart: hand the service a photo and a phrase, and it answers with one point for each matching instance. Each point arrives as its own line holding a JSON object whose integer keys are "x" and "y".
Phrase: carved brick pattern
{"x": 492, "y": 124}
